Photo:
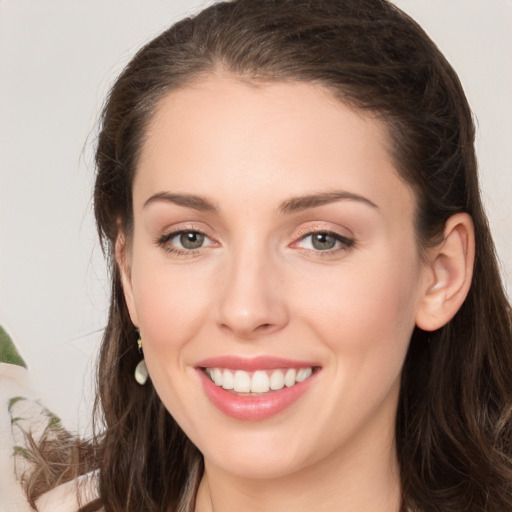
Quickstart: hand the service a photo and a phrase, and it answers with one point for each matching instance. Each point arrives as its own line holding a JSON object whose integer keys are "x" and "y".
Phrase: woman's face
{"x": 273, "y": 243}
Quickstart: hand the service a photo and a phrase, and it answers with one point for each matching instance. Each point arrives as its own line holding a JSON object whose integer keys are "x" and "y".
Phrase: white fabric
{"x": 21, "y": 411}
{"x": 64, "y": 497}
{"x": 14, "y": 382}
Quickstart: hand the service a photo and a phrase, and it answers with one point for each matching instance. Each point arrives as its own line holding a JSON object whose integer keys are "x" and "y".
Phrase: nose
{"x": 253, "y": 301}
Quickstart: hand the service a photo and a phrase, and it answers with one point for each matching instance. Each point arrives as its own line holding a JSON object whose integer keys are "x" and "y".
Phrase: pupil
{"x": 191, "y": 240}
{"x": 323, "y": 241}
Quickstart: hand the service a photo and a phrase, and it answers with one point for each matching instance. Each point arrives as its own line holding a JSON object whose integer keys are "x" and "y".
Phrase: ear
{"x": 123, "y": 261}
{"x": 449, "y": 273}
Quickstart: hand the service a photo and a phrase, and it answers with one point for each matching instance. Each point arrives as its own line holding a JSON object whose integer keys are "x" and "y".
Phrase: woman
{"x": 287, "y": 192}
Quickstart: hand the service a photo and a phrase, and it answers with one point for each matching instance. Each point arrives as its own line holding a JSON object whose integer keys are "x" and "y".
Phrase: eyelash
{"x": 343, "y": 243}
{"x": 164, "y": 240}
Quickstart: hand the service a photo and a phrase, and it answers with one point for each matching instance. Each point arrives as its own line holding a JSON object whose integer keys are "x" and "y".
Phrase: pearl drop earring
{"x": 141, "y": 372}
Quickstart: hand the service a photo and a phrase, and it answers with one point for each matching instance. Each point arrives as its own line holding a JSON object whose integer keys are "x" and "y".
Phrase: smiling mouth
{"x": 259, "y": 381}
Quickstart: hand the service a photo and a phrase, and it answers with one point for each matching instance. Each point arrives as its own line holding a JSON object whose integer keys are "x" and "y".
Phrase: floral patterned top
{"x": 21, "y": 412}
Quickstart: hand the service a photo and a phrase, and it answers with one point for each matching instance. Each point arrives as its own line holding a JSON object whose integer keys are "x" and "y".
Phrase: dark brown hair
{"x": 454, "y": 423}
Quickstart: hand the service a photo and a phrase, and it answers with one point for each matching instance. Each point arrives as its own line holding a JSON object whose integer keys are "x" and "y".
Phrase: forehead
{"x": 271, "y": 138}
{"x": 226, "y": 101}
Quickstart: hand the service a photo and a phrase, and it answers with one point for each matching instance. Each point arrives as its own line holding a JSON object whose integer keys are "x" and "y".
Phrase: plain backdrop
{"x": 57, "y": 61}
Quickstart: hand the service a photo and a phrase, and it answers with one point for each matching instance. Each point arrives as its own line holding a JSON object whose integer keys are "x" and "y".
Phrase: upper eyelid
{"x": 187, "y": 226}
{"x": 311, "y": 230}
{"x": 336, "y": 235}
{"x": 175, "y": 232}
{"x": 346, "y": 241}
{"x": 168, "y": 233}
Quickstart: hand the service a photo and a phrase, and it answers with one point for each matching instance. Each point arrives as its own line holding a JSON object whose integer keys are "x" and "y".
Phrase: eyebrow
{"x": 300, "y": 203}
{"x": 293, "y": 204}
{"x": 187, "y": 200}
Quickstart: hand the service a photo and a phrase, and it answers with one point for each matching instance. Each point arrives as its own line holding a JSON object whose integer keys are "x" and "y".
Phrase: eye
{"x": 189, "y": 239}
{"x": 322, "y": 241}
{"x": 325, "y": 241}
{"x": 184, "y": 241}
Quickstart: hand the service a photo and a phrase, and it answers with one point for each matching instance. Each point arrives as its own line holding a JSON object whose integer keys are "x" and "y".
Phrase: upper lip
{"x": 251, "y": 364}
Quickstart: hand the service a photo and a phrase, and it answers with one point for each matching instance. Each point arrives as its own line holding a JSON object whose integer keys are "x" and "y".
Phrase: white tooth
{"x": 228, "y": 380}
{"x": 277, "y": 380}
{"x": 289, "y": 378}
{"x": 242, "y": 382}
{"x": 217, "y": 376}
{"x": 303, "y": 374}
{"x": 209, "y": 373}
{"x": 260, "y": 382}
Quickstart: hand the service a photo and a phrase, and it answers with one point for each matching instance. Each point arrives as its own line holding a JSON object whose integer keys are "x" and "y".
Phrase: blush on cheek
{"x": 367, "y": 316}
{"x": 168, "y": 316}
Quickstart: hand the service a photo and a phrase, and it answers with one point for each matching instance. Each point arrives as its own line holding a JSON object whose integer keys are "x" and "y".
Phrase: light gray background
{"x": 57, "y": 60}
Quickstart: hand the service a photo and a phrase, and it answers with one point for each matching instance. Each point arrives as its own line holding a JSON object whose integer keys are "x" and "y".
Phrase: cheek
{"x": 366, "y": 313}
{"x": 171, "y": 304}
{"x": 365, "y": 319}
{"x": 171, "y": 308}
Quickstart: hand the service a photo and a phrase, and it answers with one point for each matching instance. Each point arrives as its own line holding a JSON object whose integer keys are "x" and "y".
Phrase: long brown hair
{"x": 453, "y": 428}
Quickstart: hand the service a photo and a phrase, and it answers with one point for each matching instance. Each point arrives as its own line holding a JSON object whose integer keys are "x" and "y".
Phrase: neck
{"x": 363, "y": 478}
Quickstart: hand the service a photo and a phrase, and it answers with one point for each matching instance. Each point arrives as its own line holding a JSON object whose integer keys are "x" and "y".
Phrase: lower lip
{"x": 253, "y": 407}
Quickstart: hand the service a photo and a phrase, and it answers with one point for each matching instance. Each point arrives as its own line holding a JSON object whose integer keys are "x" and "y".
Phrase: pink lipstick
{"x": 254, "y": 389}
